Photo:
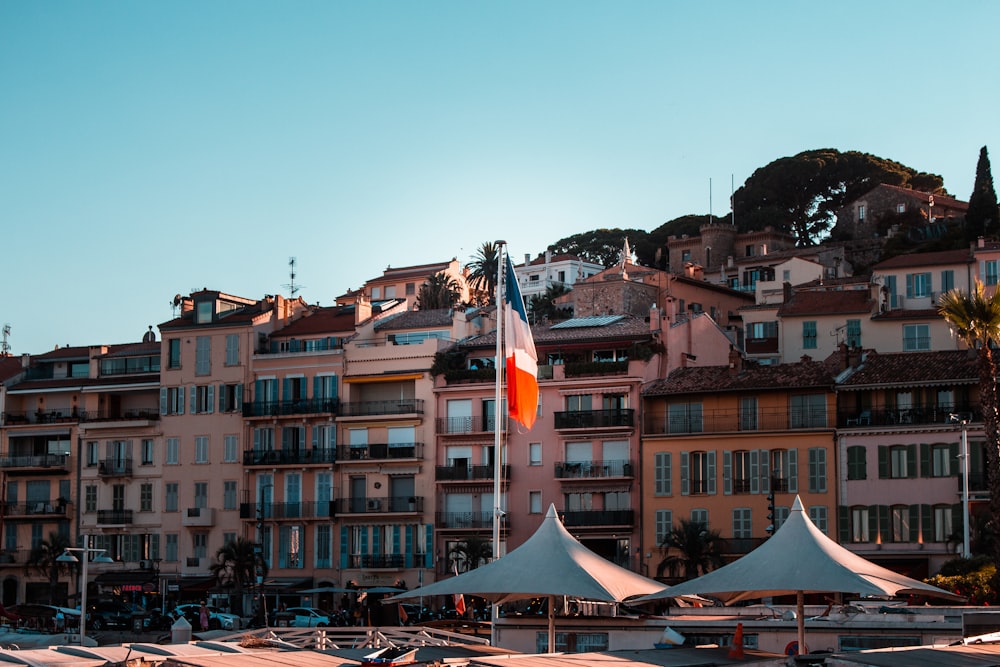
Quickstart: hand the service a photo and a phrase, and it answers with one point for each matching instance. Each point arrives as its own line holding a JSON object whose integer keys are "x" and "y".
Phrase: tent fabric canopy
{"x": 551, "y": 562}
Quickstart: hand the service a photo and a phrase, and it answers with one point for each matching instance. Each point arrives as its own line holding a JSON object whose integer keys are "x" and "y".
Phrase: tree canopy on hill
{"x": 604, "y": 246}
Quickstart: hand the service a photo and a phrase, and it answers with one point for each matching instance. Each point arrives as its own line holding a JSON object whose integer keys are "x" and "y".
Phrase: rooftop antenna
{"x": 4, "y": 344}
{"x": 709, "y": 201}
{"x": 293, "y": 289}
{"x": 732, "y": 196}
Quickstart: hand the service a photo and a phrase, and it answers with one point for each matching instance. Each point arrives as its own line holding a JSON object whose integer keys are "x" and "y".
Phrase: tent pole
{"x": 499, "y": 421}
{"x": 800, "y": 607}
{"x": 552, "y": 624}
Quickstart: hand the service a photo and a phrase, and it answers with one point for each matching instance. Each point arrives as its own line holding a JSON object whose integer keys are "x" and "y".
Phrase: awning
{"x": 388, "y": 377}
{"x": 288, "y": 583}
{"x": 142, "y": 581}
{"x": 194, "y": 584}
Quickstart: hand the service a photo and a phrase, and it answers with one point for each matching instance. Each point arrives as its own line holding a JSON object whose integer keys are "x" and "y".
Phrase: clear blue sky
{"x": 152, "y": 148}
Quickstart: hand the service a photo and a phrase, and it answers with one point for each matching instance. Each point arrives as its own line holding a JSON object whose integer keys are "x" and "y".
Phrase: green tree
{"x": 236, "y": 564}
{"x": 801, "y": 194}
{"x": 440, "y": 291}
{"x": 604, "y": 246}
{"x": 544, "y": 305}
{"x": 692, "y": 548}
{"x": 43, "y": 559}
{"x": 483, "y": 272}
{"x": 471, "y": 552}
{"x": 974, "y": 317}
{"x": 982, "y": 218}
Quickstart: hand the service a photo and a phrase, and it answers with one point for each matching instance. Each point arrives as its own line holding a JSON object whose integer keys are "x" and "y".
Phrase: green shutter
{"x": 884, "y": 524}
{"x": 911, "y": 461}
{"x": 883, "y": 462}
{"x": 925, "y": 460}
{"x": 843, "y": 524}
{"x": 926, "y": 523}
{"x": 914, "y": 523}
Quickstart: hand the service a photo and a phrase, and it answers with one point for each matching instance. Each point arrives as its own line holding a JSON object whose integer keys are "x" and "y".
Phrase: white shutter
{"x": 793, "y": 471}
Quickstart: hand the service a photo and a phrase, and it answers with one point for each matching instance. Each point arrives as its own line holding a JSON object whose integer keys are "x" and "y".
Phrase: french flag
{"x": 519, "y": 354}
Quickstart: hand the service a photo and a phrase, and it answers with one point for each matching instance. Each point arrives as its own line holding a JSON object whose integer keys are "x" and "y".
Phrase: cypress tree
{"x": 983, "y": 216}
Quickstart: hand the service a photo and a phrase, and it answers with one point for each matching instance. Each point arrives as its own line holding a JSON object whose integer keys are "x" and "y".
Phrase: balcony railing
{"x": 378, "y": 561}
{"x": 734, "y": 420}
{"x": 114, "y": 517}
{"x": 467, "y": 473}
{"x": 459, "y": 425}
{"x": 304, "y": 406}
{"x": 477, "y": 520}
{"x": 41, "y": 417}
{"x": 32, "y": 509}
{"x": 396, "y": 450}
{"x": 151, "y": 414}
{"x": 579, "y": 518}
{"x": 308, "y": 509}
{"x": 115, "y": 467}
{"x": 380, "y": 505}
{"x": 585, "y": 368}
{"x": 915, "y": 414}
{"x": 199, "y": 517}
{"x": 34, "y": 461}
{"x": 590, "y": 469}
{"x": 405, "y": 406}
{"x": 304, "y": 456}
{"x": 595, "y": 419}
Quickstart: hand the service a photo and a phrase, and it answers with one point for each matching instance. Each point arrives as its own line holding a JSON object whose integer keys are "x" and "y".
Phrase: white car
{"x": 308, "y": 617}
{"x": 225, "y": 620}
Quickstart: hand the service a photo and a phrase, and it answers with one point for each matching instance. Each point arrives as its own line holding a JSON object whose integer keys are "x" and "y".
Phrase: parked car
{"x": 308, "y": 617}
{"x": 217, "y": 619}
{"x": 110, "y": 614}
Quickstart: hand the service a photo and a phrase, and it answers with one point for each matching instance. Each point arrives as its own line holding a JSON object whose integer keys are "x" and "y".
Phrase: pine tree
{"x": 983, "y": 217}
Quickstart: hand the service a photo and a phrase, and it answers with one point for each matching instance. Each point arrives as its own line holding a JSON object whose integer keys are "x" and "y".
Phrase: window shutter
{"x": 222, "y": 398}
{"x": 194, "y": 400}
{"x": 883, "y": 462}
{"x": 256, "y": 439}
{"x": 925, "y": 460}
{"x": 344, "y": 564}
{"x": 884, "y": 526}
{"x": 911, "y": 461}
{"x": 926, "y": 524}
{"x": 163, "y": 400}
{"x": 315, "y": 438}
{"x": 239, "y": 398}
{"x": 793, "y": 471}
{"x": 180, "y": 400}
{"x": 317, "y": 387}
{"x": 376, "y": 540}
{"x": 302, "y": 436}
{"x": 754, "y": 472}
{"x": 843, "y": 524}
{"x": 953, "y": 461}
{"x": 914, "y": 523}
{"x": 286, "y": 438}
{"x": 727, "y": 472}
{"x": 957, "y": 519}
{"x": 685, "y": 479}
{"x": 286, "y": 389}
{"x": 711, "y": 472}
{"x": 765, "y": 471}
{"x": 210, "y": 399}
{"x": 909, "y": 285}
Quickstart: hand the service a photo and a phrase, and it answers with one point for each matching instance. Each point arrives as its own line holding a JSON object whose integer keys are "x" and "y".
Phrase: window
{"x": 809, "y": 335}
{"x": 786, "y": 275}
{"x": 916, "y": 337}
{"x": 750, "y": 251}
{"x": 808, "y": 411}
{"x": 918, "y": 285}
{"x": 853, "y": 333}
{"x": 990, "y": 273}
{"x": 171, "y": 400}
{"x": 411, "y": 289}
{"x": 93, "y": 453}
{"x": 897, "y": 461}
{"x": 203, "y": 355}
{"x": 170, "y": 497}
{"x": 664, "y": 524}
{"x": 229, "y": 494}
{"x": 861, "y": 212}
{"x": 173, "y": 451}
{"x": 324, "y": 546}
{"x": 900, "y": 522}
{"x": 857, "y": 462}
{"x": 148, "y": 452}
{"x": 818, "y": 515}
{"x": 742, "y": 523}
{"x": 534, "y": 454}
{"x": 577, "y": 502}
{"x": 784, "y": 471}
{"x": 740, "y": 467}
{"x": 947, "y": 280}
{"x": 170, "y": 550}
{"x": 685, "y": 255}
{"x": 684, "y": 418}
{"x": 202, "y": 399}
{"x": 697, "y": 473}
{"x": 534, "y": 502}
{"x": 942, "y": 523}
{"x": 817, "y": 470}
{"x": 762, "y": 330}
{"x": 661, "y": 474}
{"x": 859, "y": 525}
{"x": 174, "y": 353}
{"x": 700, "y": 516}
{"x": 780, "y": 515}
{"x": 748, "y": 413}
{"x": 232, "y": 349}
{"x": 200, "y": 545}
{"x": 579, "y": 403}
{"x": 90, "y": 499}
{"x": 146, "y": 497}
{"x": 201, "y": 449}
{"x": 941, "y": 461}
{"x": 611, "y": 355}
{"x": 201, "y": 495}
{"x": 231, "y": 449}
{"x": 230, "y": 397}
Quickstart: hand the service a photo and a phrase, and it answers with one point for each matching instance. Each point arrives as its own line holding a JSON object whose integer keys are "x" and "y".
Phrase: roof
{"x": 132, "y": 350}
{"x": 962, "y": 256}
{"x": 335, "y": 319}
{"x": 923, "y": 197}
{"x": 417, "y": 319}
{"x": 827, "y": 302}
{"x": 914, "y": 368}
{"x": 826, "y": 283}
{"x": 551, "y": 334}
{"x": 751, "y": 377}
{"x": 421, "y": 271}
{"x": 561, "y": 257}
{"x": 9, "y": 367}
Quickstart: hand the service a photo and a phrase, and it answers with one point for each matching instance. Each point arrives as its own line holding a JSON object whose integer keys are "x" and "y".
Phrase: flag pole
{"x": 499, "y": 420}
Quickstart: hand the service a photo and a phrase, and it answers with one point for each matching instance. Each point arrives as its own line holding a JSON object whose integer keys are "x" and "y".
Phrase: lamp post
{"x": 259, "y": 549}
{"x": 101, "y": 556}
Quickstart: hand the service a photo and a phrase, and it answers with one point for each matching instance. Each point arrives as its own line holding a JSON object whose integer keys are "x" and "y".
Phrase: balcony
{"x": 35, "y": 463}
{"x": 595, "y": 419}
{"x": 732, "y": 421}
{"x": 115, "y": 467}
{"x": 380, "y": 505}
{"x": 273, "y": 457}
{"x": 592, "y": 368}
{"x": 463, "y": 425}
{"x": 310, "y": 509}
{"x": 41, "y": 509}
{"x": 465, "y": 473}
{"x": 304, "y": 406}
{"x": 114, "y": 517}
{"x": 378, "y": 561}
{"x": 119, "y": 416}
{"x": 591, "y": 469}
{"x": 912, "y": 415}
{"x": 587, "y": 518}
{"x": 18, "y": 557}
{"x": 198, "y": 517}
{"x": 407, "y": 406}
{"x": 396, "y": 450}
{"x": 469, "y": 520}
{"x": 41, "y": 417}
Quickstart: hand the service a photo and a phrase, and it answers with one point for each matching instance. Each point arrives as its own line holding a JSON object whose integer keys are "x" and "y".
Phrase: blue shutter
{"x": 286, "y": 389}
{"x": 711, "y": 472}
{"x": 239, "y": 398}
{"x": 210, "y": 398}
{"x": 376, "y": 540}
{"x": 685, "y": 479}
{"x": 180, "y": 400}
{"x": 409, "y": 546}
{"x": 429, "y": 547}
{"x": 317, "y": 386}
{"x": 163, "y": 400}
{"x": 343, "y": 548}
{"x": 909, "y": 285}
{"x": 727, "y": 473}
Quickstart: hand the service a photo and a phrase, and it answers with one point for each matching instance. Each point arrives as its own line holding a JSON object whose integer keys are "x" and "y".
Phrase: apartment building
{"x": 535, "y": 276}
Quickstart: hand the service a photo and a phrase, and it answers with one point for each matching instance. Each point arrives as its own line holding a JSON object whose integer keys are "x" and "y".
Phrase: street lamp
{"x": 964, "y": 455}
{"x": 101, "y": 556}
{"x": 259, "y": 547}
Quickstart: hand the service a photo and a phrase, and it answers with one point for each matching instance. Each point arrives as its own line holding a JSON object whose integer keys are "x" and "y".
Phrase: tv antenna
{"x": 293, "y": 289}
{"x": 4, "y": 344}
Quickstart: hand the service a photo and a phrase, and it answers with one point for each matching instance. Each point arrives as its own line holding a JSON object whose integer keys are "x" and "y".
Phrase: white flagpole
{"x": 499, "y": 418}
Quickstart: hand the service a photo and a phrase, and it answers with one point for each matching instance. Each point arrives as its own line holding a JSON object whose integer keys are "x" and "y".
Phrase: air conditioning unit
{"x": 374, "y": 503}
{"x": 145, "y": 565}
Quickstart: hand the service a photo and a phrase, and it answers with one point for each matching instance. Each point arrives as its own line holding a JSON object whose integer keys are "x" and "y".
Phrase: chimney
{"x": 362, "y": 309}
{"x": 981, "y": 242}
{"x": 527, "y": 259}
{"x": 844, "y": 356}
{"x": 854, "y": 356}
{"x": 735, "y": 362}
{"x": 786, "y": 292}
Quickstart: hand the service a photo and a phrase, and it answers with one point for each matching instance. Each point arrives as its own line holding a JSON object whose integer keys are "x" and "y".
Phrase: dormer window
{"x": 203, "y": 313}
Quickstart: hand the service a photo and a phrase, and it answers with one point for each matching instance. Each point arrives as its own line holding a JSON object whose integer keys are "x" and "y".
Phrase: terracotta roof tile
{"x": 924, "y": 197}
{"x": 962, "y": 256}
{"x": 9, "y": 367}
{"x": 417, "y": 319}
{"x": 709, "y": 379}
{"x": 948, "y": 367}
{"x": 332, "y": 320}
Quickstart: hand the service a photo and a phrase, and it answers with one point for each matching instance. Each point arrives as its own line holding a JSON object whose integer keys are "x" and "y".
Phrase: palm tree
{"x": 236, "y": 565}
{"x": 43, "y": 559}
{"x": 472, "y": 552}
{"x": 698, "y": 550}
{"x": 974, "y": 318}
{"x": 483, "y": 272}
{"x": 440, "y": 291}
